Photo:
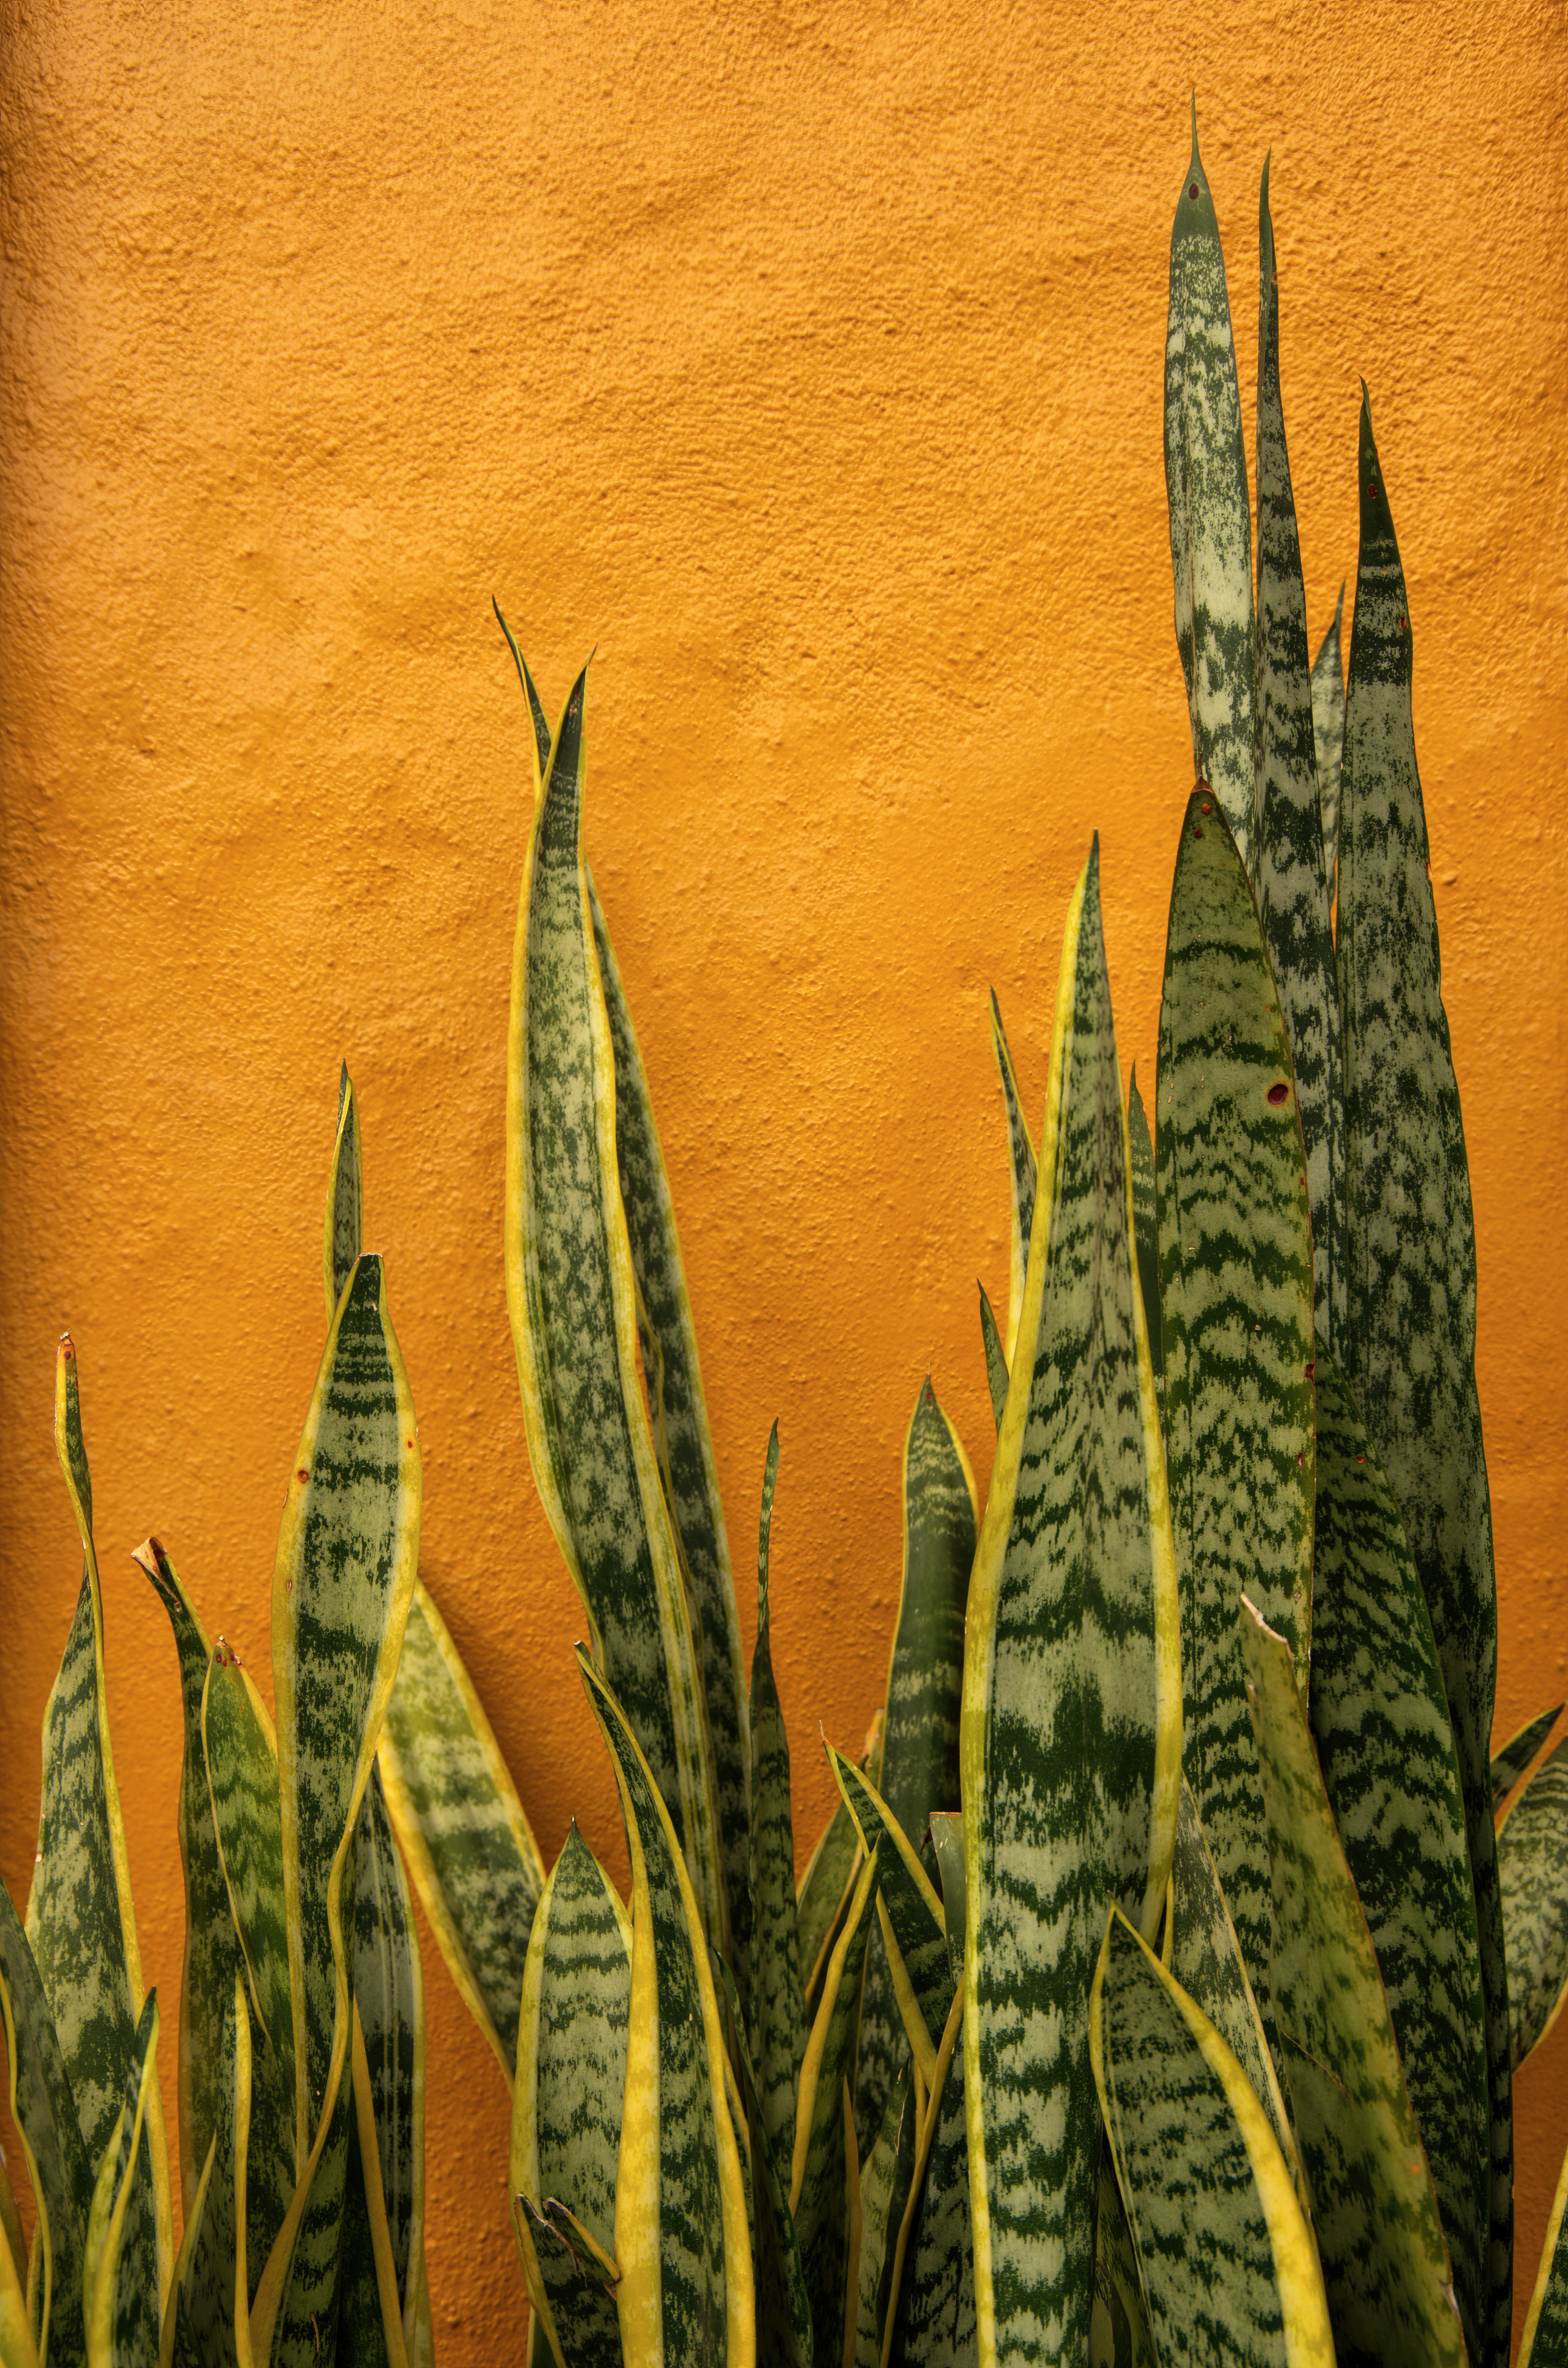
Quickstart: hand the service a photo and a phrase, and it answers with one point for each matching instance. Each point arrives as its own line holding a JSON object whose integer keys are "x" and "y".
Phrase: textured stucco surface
{"x": 806, "y": 357}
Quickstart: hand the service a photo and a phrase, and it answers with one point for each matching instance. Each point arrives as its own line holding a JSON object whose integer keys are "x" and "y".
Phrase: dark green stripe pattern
{"x": 1533, "y": 1856}
{"x": 120, "y": 2270}
{"x": 777, "y": 2034}
{"x": 242, "y": 1776}
{"x": 45, "y": 2112}
{"x": 1294, "y": 895}
{"x": 934, "y": 2316}
{"x": 1328, "y": 735}
{"x": 1020, "y": 1167}
{"x": 1206, "y": 489}
{"x": 1380, "y": 1720}
{"x": 995, "y": 1358}
{"x": 1062, "y": 1667}
{"x": 1510, "y": 1764}
{"x": 342, "y": 1225}
{"x": 1546, "y": 2328}
{"x": 886, "y": 2178}
{"x": 389, "y": 1993}
{"x": 1147, "y": 1228}
{"x": 918, "y": 1934}
{"x": 1410, "y": 1339}
{"x": 204, "y": 2297}
{"x": 1118, "y": 2322}
{"x": 1236, "y": 1314}
{"x": 783, "y": 2305}
{"x": 821, "y": 2193}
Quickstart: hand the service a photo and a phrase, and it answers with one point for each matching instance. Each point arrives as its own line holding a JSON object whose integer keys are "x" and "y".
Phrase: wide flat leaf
{"x": 470, "y": 1848}
{"x": 685, "y": 2295}
{"x": 43, "y": 2113}
{"x": 778, "y": 2033}
{"x": 1510, "y": 1764}
{"x": 572, "y": 1297}
{"x": 826, "y": 2164}
{"x": 566, "y": 2103}
{"x": 1328, "y": 735}
{"x": 925, "y": 1692}
{"x": 886, "y": 2177}
{"x": 1380, "y": 1720}
{"x": 1071, "y": 1731}
{"x": 1146, "y": 1226}
{"x": 995, "y": 1358}
{"x": 1547, "y": 2323}
{"x": 1532, "y": 1866}
{"x": 122, "y": 2305}
{"x": 1227, "y": 2257}
{"x": 1380, "y": 2236}
{"x": 1206, "y": 490}
{"x": 1295, "y": 895}
{"x": 1409, "y": 1339}
{"x": 1021, "y": 1168}
{"x": 683, "y": 1440}
{"x": 341, "y": 1226}
{"x": 1236, "y": 1314}
{"x": 389, "y": 1994}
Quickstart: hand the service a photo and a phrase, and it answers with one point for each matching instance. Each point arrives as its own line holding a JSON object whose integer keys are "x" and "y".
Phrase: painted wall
{"x": 806, "y": 360}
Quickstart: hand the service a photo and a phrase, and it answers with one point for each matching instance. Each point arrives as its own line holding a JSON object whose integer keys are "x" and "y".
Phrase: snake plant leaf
{"x": 388, "y": 1997}
{"x": 995, "y": 1358}
{"x": 783, "y": 2305}
{"x": 11, "y": 2220}
{"x": 17, "y": 2349}
{"x": 685, "y": 2293}
{"x": 1211, "y": 515}
{"x": 1295, "y": 895}
{"x": 947, "y": 1848}
{"x": 921, "y": 1981}
{"x": 683, "y": 1441}
{"x": 294, "y": 2317}
{"x": 826, "y": 2161}
{"x": 1071, "y": 1731}
{"x": 824, "y": 1893}
{"x": 342, "y": 1223}
{"x": 571, "y": 1293}
{"x": 207, "y": 1978}
{"x": 925, "y": 1691}
{"x": 241, "y": 1761}
{"x": 361, "y": 2337}
{"x": 1146, "y": 1227}
{"x": 926, "y": 2107}
{"x": 1228, "y": 2262}
{"x": 43, "y": 2113}
{"x": 778, "y": 2003}
{"x": 204, "y": 2301}
{"x": 1118, "y": 2322}
{"x": 566, "y": 2103}
{"x": 536, "y": 712}
{"x": 1510, "y": 1764}
{"x": 1328, "y": 735}
{"x": 119, "y": 2269}
{"x": 886, "y": 2178}
{"x": 469, "y": 1846}
{"x": 347, "y": 1548}
{"x": 1380, "y": 2234}
{"x": 1547, "y": 2321}
{"x": 1380, "y": 1719}
{"x": 1236, "y": 1314}
{"x": 1532, "y": 1852}
{"x": 1409, "y": 1337}
{"x": 1205, "y": 1957}
{"x": 371, "y": 2310}
{"x": 1021, "y": 1167}
{"x": 933, "y": 2312}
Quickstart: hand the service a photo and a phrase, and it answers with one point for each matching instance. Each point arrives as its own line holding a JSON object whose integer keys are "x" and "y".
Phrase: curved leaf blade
{"x": 1021, "y": 1169}
{"x": 1532, "y": 1853}
{"x": 343, "y": 1222}
{"x": 826, "y": 2163}
{"x": 1510, "y": 1764}
{"x": 995, "y": 1358}
{"x": 389, "y": 1998}
{"x": 120, "y": 2269}
{"x": 43, "y": 2113}
{"x": 1328, "y": 736}
{"x": 1548, "y": 2318}
{"x": 777, "y": 2002}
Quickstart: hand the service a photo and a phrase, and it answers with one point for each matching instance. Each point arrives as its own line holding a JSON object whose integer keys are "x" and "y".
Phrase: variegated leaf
{"x": 886, "y": 2179}
{"x": 470, "y": 1848}
{"x": 294, "y": 2318}
{"x": 915, "y": 1947}
{"x": 1227, "y": 2257}
{"x": 685, "y": 2293}
{"x": 1379, "y": 2236}
{"x": 43, "y": 2113}
{"x": 1210, "y": 519}
{"x": 566, "y": 2105}
{"x": 783, "y": 2305}
{"x": 683, "y": 1441}
{"x": 10, "y": 2218}
{"x": 120, "y": 2282}
{"x": 371, "y": 2307}
{"x": 1146, "y": 1227}
{"x": 1510, "y": 1764}
{"x": 347, "y": 1548}
{"x": 1236, "y": 1314}
{"x": 933, "y": 2312}
{"x": 241, "y": 1765}
{"x": 826, "y": 2161}
{"x": 204, "y": 2297}
{"x": 1118, "y": 2322}
{"x": 1409, "y": 1337}
{"x": 1545, "y": 2339}
{"x": 777, "y": 2034}
{"x": 17, "y": 2349}
{"x": 947, "y": 1848}
{"x": 536, "y": 712}
{"x": 1295, "y": 895}
{"x": 361, "y": 2339}
{"x": 1328, "y": 735}
{"x": 823, "y": 1894}
{"x": 1071, "y": 1731}
{"x": 389, "y": 1994}
{"x": 571, "y": 1294}
{"x": 341, "y": 1226}
{"x": 995, "y": 1358}
{"x": 1533, "y": 1867}
{"x": 1380, "y": 1720}
{"x": 1021, "y": 1169}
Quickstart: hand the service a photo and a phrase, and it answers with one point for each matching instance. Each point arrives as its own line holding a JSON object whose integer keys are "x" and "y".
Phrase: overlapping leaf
{"x": 825, "y": 2167}
{"x": 1545, "y": 2338}
{"x": 887, "y": 2176}
{"x": 783, "y": 2305}
{"x": 389, "y": 1995}
{"x": 43, "y": 2112}
{"x": 777, "y": 2004}
{"x": 122, "y": 2305}
{"x": 1510, "y": 1764}
{"x": 1119, "y": 2321}
{"x": 341, "y": 1226}
{"x": 1021, "y": 1171}
{"x": 995, "y": 1358}
{"x": 933, "y": 2323}
{"x": 1145, "y": 1227}
{"x": 1532, "y": 1861}
{"x": 1328, "y": 736}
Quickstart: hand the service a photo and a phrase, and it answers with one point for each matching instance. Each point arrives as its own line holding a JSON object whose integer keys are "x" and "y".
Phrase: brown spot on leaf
{"x": 1279, "y": 1093}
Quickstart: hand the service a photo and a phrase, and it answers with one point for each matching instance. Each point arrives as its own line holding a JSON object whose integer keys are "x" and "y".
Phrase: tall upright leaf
{"x": 119, "y": 2285}
{"x": 995, "y": 1358}
{"x": 886, "y": 2178}
{"x": 1328, "y": 735}
{"x": 783, "y": 2305}
{"x": 824, "y": 2175}
{"x": 1236, "y": 1313}
{"x": 681, "y": 1438}
{"x": 342, "y": 1225}
{"x": 1071, "y": 1734}
{"x": 1410, "y": 1337}
{"x": 1547, "y": 2321}
{"x": 1294, "y": 895}
{"x": 1210, "y": 517}
{"x": 1146, "y": 1227}
{"x": 1509, "y": 1764}
{"x": 571, "y": 1294}
{"x": 778, "y": 2000}
{"x": 389, "y": 1995}
{"x": 1380, "y": 1723}
{"x": 205, "y": 2298}
{"x": 1021, "y": 1171}
{"x": 934, "y": 2315}
{"x": 1532, "y": 1853}
{"x": 43, "y": 2113}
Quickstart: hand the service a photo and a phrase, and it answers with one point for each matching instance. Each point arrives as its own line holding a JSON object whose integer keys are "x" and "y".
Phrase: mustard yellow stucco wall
{"x": 805, "y": 358}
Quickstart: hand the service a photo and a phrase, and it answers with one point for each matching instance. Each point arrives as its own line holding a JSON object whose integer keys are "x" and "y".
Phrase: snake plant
{"x": 1156, "y": 1990}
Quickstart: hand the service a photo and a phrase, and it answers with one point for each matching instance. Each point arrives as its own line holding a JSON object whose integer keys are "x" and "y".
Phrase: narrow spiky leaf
{"x": 1328, "y": 736}
{"x": 995, "y": 1358}
{"x": 1119, "y": 2336}
{"x": 823, "y": 1893}
{"x": 1236, "y": 1314}
{"x": 240, "y": 1765}
{"x": 1021, "y": 1168}
{"x": 1210, "y": 517}
{"x": 1071, "y": 1723}
{"x": 1146, "y": 1227}
{"x": 1294, "y": 893}
{"x": 390, "y": 1998}
{"x": 361, "y": 2323}
{"x": 1510, "y": 1764}
{"x": 571, "y": 1294}
{"x": 922, "y": 1973}
{"x": 536, "y": 712}
{"x": 822, "y": 2170}
{"x": 778, "y": 2033}
{"x": 43, "y": 2113}
{"x": 1533, "y": 1851}
{"x": 342, "y": 1223}
{"x": 204, "y": 2288}
{"x": 783, "y": 2305}
{"x": 119, "y": 2285}
{"x": 886, "y": 2178}
{"x": 470, "y": 1848}
{"x": 683, "y": 1441}
{"x": 1410, "y": 1337}
{"x": 17, "y": 2349}
{"x": 1547, "y": 2322}
{"x": 934, "y": 2315}
{"x": 1229, "y": 2267}
{"x": 1380, "y": 1720}
{"x": 1380, "y": 2234}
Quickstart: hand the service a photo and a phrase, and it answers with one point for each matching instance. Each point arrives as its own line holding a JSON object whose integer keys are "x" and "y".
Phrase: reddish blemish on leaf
{"x": 1206, "y": 807}
{"x": 1312, "y": 1372}
{"x": 1192, "y": 192}
{"x": 1360, "y": 1459}
{"x": 303, "y": 1472}
{"x": 1278, "y": 1094}
{"x": 1197, "y": 830}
